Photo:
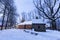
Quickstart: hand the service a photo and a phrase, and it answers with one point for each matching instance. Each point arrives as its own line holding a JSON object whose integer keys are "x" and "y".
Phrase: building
{"x": 25, "y": 25}
{"x": 36, "y": 24}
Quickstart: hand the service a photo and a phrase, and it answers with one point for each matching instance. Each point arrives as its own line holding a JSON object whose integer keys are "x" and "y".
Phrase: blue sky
{"x": 24, "y": 5}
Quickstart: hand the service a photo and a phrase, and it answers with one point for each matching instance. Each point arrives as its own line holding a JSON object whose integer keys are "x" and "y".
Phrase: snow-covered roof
{"x": 38, "y": 21}
{"x": 33, "y": 21}
{"x": 26, "y": 22}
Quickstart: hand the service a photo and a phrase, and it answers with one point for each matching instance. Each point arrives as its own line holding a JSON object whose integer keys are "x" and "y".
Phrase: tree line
{"x": 8, "y": 10}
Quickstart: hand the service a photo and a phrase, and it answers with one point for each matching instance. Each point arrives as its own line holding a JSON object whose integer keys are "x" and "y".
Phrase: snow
{"x": 26, "y": 22}
{"x": 33, "y": 21}
{"x": 47, "y": 25}
{"x": 38, "y": 21}
{"x": 20, "y": 34}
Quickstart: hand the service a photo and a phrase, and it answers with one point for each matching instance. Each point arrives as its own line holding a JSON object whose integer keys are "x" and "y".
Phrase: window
{"x": 38, "y": 27}
{"x": 24, "y": 26}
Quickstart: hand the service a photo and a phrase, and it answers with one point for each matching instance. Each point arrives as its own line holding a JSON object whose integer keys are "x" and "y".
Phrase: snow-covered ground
{"x": 21, "y": 34}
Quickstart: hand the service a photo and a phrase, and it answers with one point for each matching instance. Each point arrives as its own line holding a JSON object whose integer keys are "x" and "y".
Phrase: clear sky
{"x": 24, "y": 5}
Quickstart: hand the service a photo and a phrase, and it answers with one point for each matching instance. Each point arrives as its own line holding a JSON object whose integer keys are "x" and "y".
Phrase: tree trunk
{"x": 6, "y": 24}
{"x": 3, "y": 20}
{"x": 53, "y": 25}
{"x": 7, "y": 21}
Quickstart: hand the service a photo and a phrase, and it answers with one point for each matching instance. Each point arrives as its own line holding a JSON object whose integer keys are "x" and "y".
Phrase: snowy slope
{"x": 20, "y": 34}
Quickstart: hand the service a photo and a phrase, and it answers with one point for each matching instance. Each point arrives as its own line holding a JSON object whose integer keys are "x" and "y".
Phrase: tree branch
{"x": 47, "y": 4}
{"x": 54, "y": 3}
{"x": 42, "y": 15}
{"x": 57, "y": 18}
{"x": 42, "y": 10}
{"x": 57, "y": 10}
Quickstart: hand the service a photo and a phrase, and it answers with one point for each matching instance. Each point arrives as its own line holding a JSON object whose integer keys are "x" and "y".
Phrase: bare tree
{"x": 11, "y": 19}
{"x": 9, "y": 12}
{"x": 48, "y": 9}
{"x": 23, "y": 16}
{"x": 3, "y": 9}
